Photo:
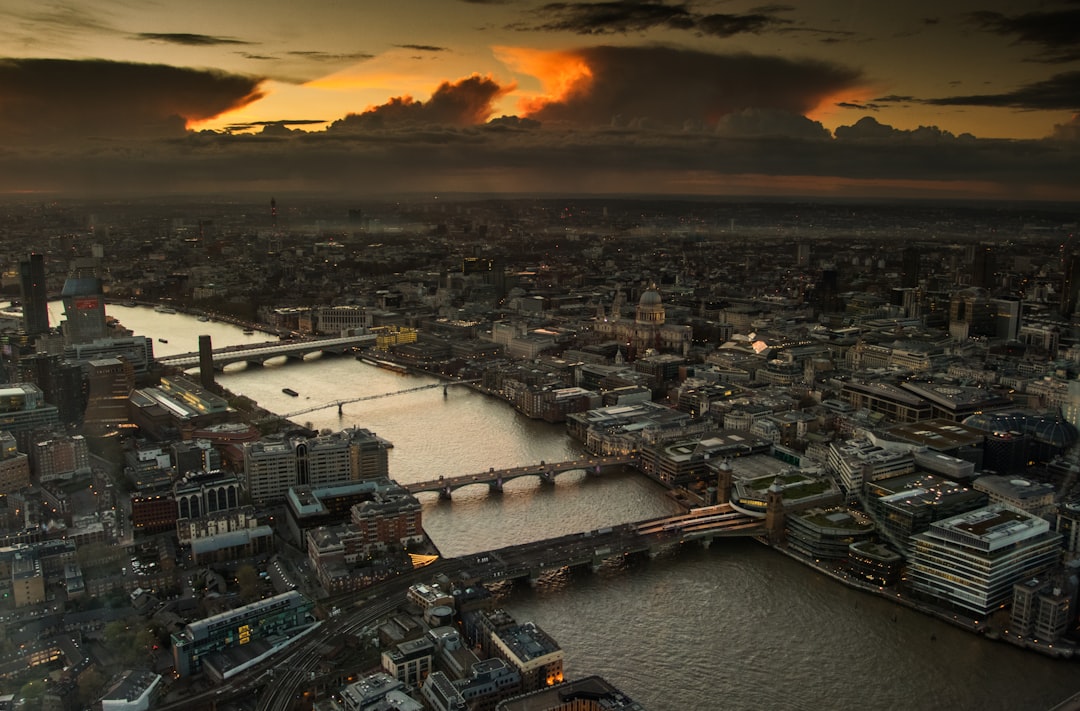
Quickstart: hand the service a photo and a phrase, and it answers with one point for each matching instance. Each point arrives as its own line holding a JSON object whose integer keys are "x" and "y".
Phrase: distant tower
{"x": 983, "y": 267}
{"x": 909, "y": 277}
{"x": 206, "y": 362}
{"x": 723, "y": 482}
{"x": 774, "y": 512}
{"x": 84, "y": 306}
{"x": 802, "y": 254}
{"x": 35, "y": 298}
{"x": 1070, "y": 289}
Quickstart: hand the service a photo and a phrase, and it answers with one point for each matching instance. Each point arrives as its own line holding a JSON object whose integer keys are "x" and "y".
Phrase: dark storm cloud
{"x": 466, "y": 102}
{"x": 65, "y": 100}
{"x": 512, "y": 123}
{"x": 622, "y": 16}
{"x": 869, "y": 129}
{"x": 184, "y": 38}
{"x": 317, "y": 56}
{"x": 1061, "y": 91}
{"x": 423, "y": 47}
{"x": 508, "y": 155}
{"x": 765, "y": 123}
{"x": 1056, "y": 32}
{"x": 668, "y": 86}
{"x": 864, "y": 106}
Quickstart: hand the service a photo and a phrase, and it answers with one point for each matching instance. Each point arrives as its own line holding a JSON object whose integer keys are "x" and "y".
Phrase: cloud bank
{"x": 66, "y": 101}
{"x": 611, "y": 120}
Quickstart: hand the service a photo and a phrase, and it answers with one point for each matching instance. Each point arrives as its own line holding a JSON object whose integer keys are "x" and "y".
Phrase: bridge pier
{"x": 547, "y": 477}
{"x": 705, "y": 543}
{"x": 339, "y": 412}
{"x": 444, "y": 493}
{"x": 496, "y": 486}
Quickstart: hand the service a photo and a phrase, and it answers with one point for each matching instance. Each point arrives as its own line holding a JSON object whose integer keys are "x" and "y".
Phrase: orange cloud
{"x": 671, "y": 87}
{"x": 561, "y": 74}
{"x": 466, "y": 102}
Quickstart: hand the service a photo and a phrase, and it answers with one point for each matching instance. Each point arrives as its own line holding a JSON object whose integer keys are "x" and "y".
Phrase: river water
{"x": 735, "y": 626}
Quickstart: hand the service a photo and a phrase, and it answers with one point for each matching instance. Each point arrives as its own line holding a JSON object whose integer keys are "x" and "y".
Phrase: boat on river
{"x": 289, "y": 391}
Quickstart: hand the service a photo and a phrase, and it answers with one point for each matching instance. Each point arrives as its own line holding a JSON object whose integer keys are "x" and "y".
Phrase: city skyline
{"x": 828, "y": 99}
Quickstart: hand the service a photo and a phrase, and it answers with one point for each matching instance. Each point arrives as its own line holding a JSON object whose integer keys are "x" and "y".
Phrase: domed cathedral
{"x": 648, "y": 332}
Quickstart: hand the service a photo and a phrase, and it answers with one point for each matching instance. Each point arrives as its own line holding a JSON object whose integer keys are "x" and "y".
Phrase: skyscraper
{"x": 84, "y": 308}
{"x": 35, "y": 300}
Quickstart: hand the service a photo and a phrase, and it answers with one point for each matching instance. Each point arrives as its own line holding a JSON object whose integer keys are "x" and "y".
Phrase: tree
{"x": 248, "y": 580}
{"x": 91, "y": 683}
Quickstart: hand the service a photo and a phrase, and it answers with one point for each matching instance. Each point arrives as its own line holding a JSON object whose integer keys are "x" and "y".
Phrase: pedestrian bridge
{"x": 259, "y": 353}
{"x": 495, "y": 478}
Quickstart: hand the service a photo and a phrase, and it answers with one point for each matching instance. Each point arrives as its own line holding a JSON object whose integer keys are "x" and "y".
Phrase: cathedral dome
{"x": 650, "y": 297}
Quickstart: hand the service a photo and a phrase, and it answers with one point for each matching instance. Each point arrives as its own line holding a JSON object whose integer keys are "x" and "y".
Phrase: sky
{"x": 821, "y": 98}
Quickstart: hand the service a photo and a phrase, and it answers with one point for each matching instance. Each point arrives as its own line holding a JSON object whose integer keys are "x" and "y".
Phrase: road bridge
{"x": 278, "y": 682}
{"x": 495, "y": 478}
{"x": 259, "y": 353}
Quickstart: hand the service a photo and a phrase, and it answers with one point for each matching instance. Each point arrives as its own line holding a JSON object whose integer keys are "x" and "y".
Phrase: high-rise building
{"x": 84, "y": 310}
{"x": 983, "y": 266}
{"x": 111, "y": 381}
{"x": 35, "y": 299}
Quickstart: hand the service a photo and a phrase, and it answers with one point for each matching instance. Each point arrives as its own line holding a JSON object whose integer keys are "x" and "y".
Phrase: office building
{"x": 133, "y": 690}
{"x": 377, "y": 691}
{"x": 14, "y": 465}
{"x": 61, "y": 458}
{"x": 272, "y": 467}
{"x": 409, "y": 662}
{"x": 1040, "y": 610}
{"x": 905, "y": 505}
{"x": 282, "y": 614}
{"x": 25, "y": 414}
{"x": 1037, "y": 498}
{"x": 441, "y": 694}
{"x": 532, "y": 652}
{"x": 972, "y": 561}
{"x": 489, "y": 681}
{"x": 136, "y": 350}
{"x": 826, "y": 533}
{"x": 62, "y": 383}
{"x": 110, "y": 383}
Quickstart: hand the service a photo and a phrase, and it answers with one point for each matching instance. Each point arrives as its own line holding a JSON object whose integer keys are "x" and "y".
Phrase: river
{"x": 734, "y": 626}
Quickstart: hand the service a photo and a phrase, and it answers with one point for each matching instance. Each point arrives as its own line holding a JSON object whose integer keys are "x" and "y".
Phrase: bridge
{"x": 445, "y": 385}
{"x": 591, "y": 548}
{"x": 495, "y": 478}
{"x": 259, "y": 353}
{"x": 278, "y": 682}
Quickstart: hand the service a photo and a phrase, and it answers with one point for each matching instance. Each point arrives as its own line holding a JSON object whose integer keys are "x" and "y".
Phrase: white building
{"x": 973, "y": 560}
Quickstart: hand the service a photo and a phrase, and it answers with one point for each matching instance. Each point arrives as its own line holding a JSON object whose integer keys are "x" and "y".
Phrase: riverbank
{"x": 834, "y": 570}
